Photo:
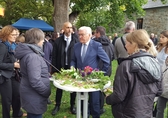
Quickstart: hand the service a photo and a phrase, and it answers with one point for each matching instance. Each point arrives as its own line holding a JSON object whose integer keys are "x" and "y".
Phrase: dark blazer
{"x": 6, "y": 62}
{"x": 93, "y": 54}
{"x": 58, "y": 54}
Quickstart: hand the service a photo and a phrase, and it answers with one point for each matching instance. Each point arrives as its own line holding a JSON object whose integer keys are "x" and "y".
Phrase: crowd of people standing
{"x": 142, "y": 66}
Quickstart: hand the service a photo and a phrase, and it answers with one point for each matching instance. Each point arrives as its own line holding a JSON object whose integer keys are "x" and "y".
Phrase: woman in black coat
{"x": 9, "y": 85}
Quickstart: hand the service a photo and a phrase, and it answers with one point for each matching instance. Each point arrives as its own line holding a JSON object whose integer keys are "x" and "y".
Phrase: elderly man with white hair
{"x": 88, "y": 52}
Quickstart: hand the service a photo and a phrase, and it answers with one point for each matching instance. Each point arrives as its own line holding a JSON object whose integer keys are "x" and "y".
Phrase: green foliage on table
{"x": 87, "y": 78}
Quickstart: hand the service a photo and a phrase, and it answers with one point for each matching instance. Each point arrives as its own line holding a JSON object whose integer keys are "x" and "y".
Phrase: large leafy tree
{"x": 34, "y": 9}
{"x": 109, "y": 13}
{"x": 96, "y": 12}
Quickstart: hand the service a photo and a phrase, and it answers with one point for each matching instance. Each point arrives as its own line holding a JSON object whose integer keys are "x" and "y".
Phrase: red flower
{"x": 88, "y": 69}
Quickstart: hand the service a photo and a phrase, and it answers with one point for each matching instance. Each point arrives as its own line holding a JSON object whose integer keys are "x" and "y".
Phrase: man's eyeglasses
{"x": 81, "y": 35}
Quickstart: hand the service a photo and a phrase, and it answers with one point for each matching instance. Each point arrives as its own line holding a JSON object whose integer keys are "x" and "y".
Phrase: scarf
{"x": 11, "y": 47}
{"x": 36, "y": 49}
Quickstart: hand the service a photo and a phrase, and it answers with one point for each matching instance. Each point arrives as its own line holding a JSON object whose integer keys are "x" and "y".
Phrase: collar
{"x": 87, "y": 43}
{"x": 65, "y": 37}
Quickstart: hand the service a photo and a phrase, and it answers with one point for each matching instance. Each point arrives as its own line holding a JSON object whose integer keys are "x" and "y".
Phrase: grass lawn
{"x": 65, "y": 106}
{"x": 64, "y": 109}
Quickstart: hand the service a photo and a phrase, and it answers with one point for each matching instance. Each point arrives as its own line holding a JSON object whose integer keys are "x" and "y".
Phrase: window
{"x": 139, "y": 23}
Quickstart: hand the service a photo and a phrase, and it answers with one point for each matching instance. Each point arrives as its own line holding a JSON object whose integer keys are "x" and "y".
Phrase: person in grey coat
{"x": 119, "y": 45}
{"x": 138, "y": 79}
{"x": 35, "y": 83}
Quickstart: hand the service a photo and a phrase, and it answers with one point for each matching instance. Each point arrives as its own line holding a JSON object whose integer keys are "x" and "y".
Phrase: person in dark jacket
{"x": 137, "y": 80}
{"x": 107, "y": 46}
{"x": 35, "y": 84}
{"x": 47, "y": 49}
{"x": 109, "y": 49}
{"x": 9, "y": 85}
{"x": 61, "y": 58}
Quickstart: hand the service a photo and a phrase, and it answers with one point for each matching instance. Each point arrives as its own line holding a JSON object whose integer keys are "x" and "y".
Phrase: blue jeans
{"x": 30, "y": 115}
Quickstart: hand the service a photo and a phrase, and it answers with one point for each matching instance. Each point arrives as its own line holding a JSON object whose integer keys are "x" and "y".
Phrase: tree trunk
{"x": 61, "y": 13}
{"x": 73, "y": 16}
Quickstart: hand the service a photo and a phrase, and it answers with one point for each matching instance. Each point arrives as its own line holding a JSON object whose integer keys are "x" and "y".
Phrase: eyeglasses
{"x": 81, "y": 35}
{"x": 13, "y": 34}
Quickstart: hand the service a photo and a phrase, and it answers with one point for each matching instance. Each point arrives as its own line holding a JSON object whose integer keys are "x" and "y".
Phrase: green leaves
{"x": 87, "y": 78}
{"x": 16, "y": 9}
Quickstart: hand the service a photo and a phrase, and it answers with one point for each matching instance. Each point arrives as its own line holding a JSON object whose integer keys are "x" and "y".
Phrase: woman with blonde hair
{"x": 20, "y": 39}
{"x": 137, "y": 80}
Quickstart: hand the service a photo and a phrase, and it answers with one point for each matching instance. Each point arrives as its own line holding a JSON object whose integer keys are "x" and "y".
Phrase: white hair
{"x": 130, "y": 25}
{"x": 87, "y": 29}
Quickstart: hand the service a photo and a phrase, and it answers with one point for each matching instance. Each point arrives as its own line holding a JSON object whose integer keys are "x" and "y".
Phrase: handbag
{"x": 17, "y": 75}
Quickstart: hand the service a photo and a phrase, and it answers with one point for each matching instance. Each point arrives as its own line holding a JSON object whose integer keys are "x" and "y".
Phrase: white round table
{"x": 80, "y": 96}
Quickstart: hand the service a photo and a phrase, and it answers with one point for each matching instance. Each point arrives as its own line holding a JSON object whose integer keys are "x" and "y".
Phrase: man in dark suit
{"x": 61, "y": 58}
{"x": 88, "y": 53}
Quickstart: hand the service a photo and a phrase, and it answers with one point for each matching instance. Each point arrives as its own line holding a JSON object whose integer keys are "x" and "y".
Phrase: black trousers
{"x": 10, "y": 95}
{"x": 59, "y": 95}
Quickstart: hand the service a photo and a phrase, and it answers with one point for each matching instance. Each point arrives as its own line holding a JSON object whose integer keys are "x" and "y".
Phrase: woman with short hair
{"x": 35, "y": 83}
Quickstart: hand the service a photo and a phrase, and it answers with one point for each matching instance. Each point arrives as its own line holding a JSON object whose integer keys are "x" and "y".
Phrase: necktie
{"x": 83, "y": 52}
{"x": 67, "y": 44}
{"x": 66, "y": 49}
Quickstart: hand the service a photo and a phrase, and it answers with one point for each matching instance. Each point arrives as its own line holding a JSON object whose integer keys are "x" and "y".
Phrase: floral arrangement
{"x": 87, "y": 78}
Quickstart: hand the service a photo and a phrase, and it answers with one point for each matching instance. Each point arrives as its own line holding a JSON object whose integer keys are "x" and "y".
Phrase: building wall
{"x": 156, "y": 20}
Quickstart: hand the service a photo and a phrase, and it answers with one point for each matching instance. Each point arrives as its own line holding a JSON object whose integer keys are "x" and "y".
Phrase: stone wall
{"x": 156, "y": 20}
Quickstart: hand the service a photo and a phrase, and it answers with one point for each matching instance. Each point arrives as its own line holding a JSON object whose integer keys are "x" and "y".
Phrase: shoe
{"x": 102, "y": 111}
{"x": 55, "y": 110}
{"x": 73, "y": 110}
